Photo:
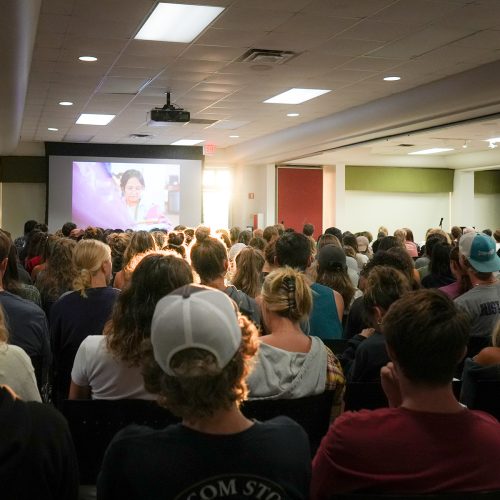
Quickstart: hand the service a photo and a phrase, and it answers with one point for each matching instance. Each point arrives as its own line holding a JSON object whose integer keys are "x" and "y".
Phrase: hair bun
{"x": 202, "y": 233}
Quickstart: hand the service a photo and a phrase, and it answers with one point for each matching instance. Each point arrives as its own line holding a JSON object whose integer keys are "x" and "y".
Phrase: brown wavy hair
{"x": 155, "y": 276}
{"x": 249, "y": 264}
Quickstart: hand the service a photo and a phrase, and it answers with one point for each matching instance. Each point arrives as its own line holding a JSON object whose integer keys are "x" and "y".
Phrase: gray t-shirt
{"x": 482, "y": 303}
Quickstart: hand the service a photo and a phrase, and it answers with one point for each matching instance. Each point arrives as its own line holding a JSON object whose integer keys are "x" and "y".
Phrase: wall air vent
{"x": 141, "y": 136}
{"x": 404, "y": 145}
{"x": 267, "y": 56}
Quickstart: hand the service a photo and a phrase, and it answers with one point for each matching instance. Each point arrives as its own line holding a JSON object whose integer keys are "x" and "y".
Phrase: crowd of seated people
{"x": 199, "y": 320}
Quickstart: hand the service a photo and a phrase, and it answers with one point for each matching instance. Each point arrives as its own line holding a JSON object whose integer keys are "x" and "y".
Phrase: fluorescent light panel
{"x": 430, "y": 151}
{"x": 392, "y": 78}
{"x": 88, "y": 58}
{"x": 89, "y": 119}
{"x": 296, "y": 96}
{"x": 187, "y": 142}
{"x": 171, "y": 22}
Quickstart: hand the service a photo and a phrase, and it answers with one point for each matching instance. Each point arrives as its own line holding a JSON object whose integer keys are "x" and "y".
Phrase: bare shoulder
{"x": 488, "y": 356}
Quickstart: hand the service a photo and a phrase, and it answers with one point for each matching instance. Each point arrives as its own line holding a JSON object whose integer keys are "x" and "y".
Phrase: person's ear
{"x": 3, "y": 265}
{"x": 226, "y": 264}
{"x": 379, "y": 313}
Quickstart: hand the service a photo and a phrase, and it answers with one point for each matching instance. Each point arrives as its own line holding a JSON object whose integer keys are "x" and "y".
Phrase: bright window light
{"x": 88, "y": 58}
{"x": 90, "y": 119}
{"x": 186, "y": 142}
{"x": 392, "y": 78}
{"x": 217, "y": 189}
{"x": 171, "y": 22}
{"x": 430, "y": 151}
{"x": 493, "y": 139}
{"x": 296, "y": 96}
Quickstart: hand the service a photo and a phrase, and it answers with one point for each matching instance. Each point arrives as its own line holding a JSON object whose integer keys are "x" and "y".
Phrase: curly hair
{"x": 155, "y": 276}
{"x": 60, "y": 271}
{"x": 286, "y": 293}
{"x": 200, "y": 387}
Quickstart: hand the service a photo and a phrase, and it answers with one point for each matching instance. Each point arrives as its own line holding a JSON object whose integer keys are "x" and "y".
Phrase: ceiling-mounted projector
{"x": 168, "y": 113}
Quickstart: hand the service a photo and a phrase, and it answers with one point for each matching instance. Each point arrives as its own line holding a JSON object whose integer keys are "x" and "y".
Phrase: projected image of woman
{"x": 140, "y": 210}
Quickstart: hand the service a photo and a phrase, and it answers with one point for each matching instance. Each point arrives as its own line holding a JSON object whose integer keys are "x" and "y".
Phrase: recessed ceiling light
{"x": 170, "y": 22}
{"x": 392, "y": 78}
{"x": 88, "y": 58}
{"x": 234, "y": 136}
{"x": 296, "y": 96}
{"x": 431, "y": 151}
{"x": 187, "y": 142}
{"x": 66, "y": 103}
{"x": 292, "y": 114}
{"x": 91, "y": 119}
{"x": 52, "y": 129}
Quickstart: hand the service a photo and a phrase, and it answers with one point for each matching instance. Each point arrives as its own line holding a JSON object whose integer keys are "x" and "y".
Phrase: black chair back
{"x": 93, "y": 424}
{"x": 364, "y": 396}
{"x": 487, "y": 397}
{"x": 312, "y": 413}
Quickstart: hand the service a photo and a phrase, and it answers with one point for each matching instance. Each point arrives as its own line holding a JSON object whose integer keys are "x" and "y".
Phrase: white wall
{"x": 368, "y": 211}
{"x": 21, "y": 202}
{"x": 487, "y": 211}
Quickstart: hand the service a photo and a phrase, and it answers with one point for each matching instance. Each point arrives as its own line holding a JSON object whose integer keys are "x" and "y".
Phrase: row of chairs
{"x": 94, "y": 423}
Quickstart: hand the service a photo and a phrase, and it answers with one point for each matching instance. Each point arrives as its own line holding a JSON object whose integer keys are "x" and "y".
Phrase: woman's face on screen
{"x": 133, "y": 191}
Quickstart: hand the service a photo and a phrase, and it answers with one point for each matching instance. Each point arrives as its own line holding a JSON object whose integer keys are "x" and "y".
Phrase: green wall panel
{"x": 487, "y": 182}
{"x": 398, "y": 179}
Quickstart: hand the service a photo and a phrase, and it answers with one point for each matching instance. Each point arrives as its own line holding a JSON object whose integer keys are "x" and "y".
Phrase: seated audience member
{"x": 232, "y": 253}
{"x": 410, "y": 245}
{"x": 258, "y": 233}
{"x": 258, "y": 243}
{"x": 308, "y": 230}
{"x": 270, "y": 259}
{"x": 45, "y": 251}
{"x": 108, "y": 366}
{"x": 366, "y": 352}
{"x": 58, "y": 276}
{"x": 161, "y": 238}
{"x": 67, "y": 228}
{"x": 210, "y": 260}
{"x": 27, "y": 323}
{"x": 245, "y": 237}
{"x": 422, "y": 263}
{"x": 21, "y": 242}
{"x": 118, "y": 242}
{"x": 140, "y": 242}
{"x": 351, "y": 241}
{"x": 426, "y": 442}
{"x": 462, "y": 281}
{"x": 482, "y": 301}
{"x": 199, "y": 356}
{"x": 34, "y": 246}
{"x": 290, "y": 363}
{"x": 332, "y": 272}
{"x": 439, "y": 268}
{"x": 234, "y": 234}
{"x": 16, "y": 369}
{"x": 270, "y": 234}
{"x": 388, "y": 242}
{"x": 13, "y": 284}
{"x": 409, "y": 266}
{"x": 225, "y": 237}
{"x": 176, "y": 243}
{"x": 352, "y": 264}
{"x": 81, "y": 312}
{"x": 364, "y": 246}
{"x": 496, "y": 235}
{"x": 293, "y": 250}
{"x": 38, "y": 457}
{"x": 248, "y": 275}
{"x": 483, "y": 366}
{"x": 456, "y": 233}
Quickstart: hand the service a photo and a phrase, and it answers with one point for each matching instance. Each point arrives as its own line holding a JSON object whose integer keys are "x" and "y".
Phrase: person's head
{"x": 270, "y": 255}
{"x": 383, "y": 230}
{"x": 160, "y": 237}
{"x": 223, "y": 234}
{"x": 388, "y": 242}
{"x": 245, "y": 237}
{"x": 208, "y": 256}
{"x": 118, "y": 243}
{"x": 29, "y": 225}
{"x": 456, "y": 232}
{"x": 270, "y": 233}
{"x": 286, "y": 293}
{"x": 426, "y": 337}
{"x": 258, "y": 233}
{"x": 384, "y": 285}
{"x": 335, "y": 232}
{"x": 293, "y": 250}
{"x": 280, "y": 228}
{"x": 409, "y": 234}
{"x": 154, "y": 277}
{"x": 328, "y": 239}
{"x": 400, "y": 234}
{"x": 478, "y": 254}
{"x": 90, "y": 258}
{"x": 140, "y": 241}
{"x": 176, "y": 243}
{"x": 487, "y": 232}
{"x": 439, "y": 231}
{"x": 332, "y": 272}
{"x": 350, "y": 240}
{"x": 496, "y": 235}
{"x": 132, "y": 185}
{"x": 440, "y": 259}
{"x": 8, "y": 263}
{"x": 198, "y": 367}
{"x": 67, "y": 228}
{"x": 5, "y": 244}
{"x": 308, "y": 230}
{"x": 363, "y": 245}
{"x": 249, "y": 264}
{"x": 35, "y": 242}
{"x": 234, "y": 234}
{"x": 257, "y": 243}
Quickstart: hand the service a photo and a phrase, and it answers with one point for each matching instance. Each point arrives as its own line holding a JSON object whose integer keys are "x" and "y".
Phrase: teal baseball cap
{"x": 480, "y": 250}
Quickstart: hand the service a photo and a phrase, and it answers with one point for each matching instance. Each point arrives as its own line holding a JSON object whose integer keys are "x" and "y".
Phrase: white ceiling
{"x": 347, "y": 46}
